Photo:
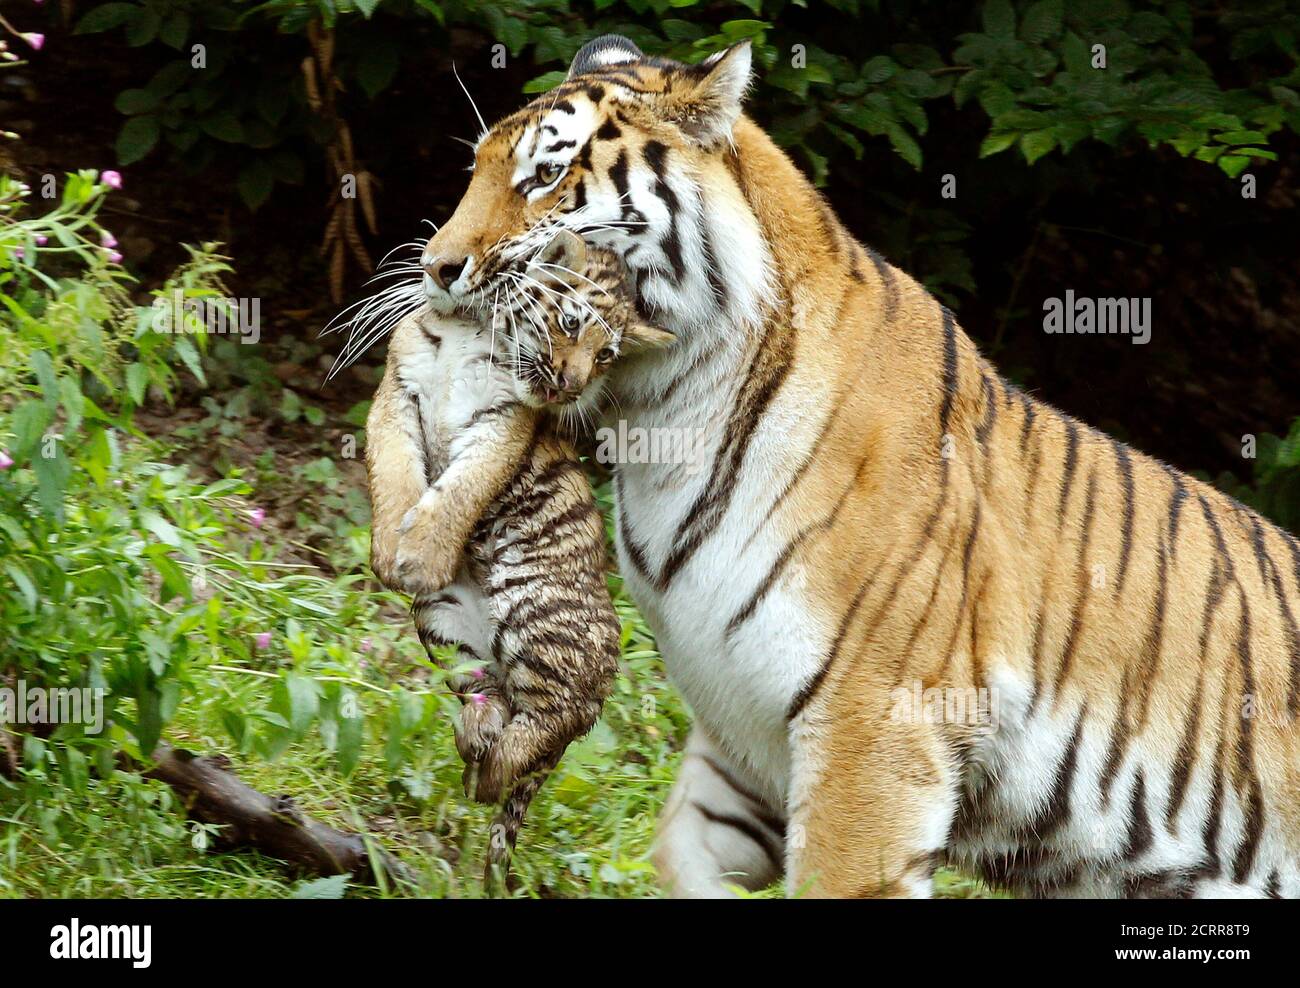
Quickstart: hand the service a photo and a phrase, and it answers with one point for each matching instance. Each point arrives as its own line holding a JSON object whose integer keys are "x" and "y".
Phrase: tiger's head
{"x": 570, "y": 319}
{"x": 617, "y": 154}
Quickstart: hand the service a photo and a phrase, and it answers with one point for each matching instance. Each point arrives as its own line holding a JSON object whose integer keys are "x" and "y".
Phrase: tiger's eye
{"x": 546, "y": 174}
{"x": 604, "y": 355}
{"x": 569, "y": 324}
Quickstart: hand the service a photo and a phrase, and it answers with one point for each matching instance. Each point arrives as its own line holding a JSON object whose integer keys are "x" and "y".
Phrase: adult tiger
{"x": 880, "y": 515}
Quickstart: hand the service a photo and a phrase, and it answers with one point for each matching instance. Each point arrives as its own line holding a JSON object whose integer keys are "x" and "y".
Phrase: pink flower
{"x": 112, "y": 179}
{"x": 19, "y": 252}
{"x": 41, "y": 240}
{"x": 114, "y": 257}
{"x": 476, "y": 673}
{"x": 6, "y": 461}
{"x": 478, "y": 699}
{"x": 107, "y": 239}
{"x": 37, "y": 41}
{"x": 256, "y": 517}
{"x": 365, "y": 645}
{"x": 262, "y": 640}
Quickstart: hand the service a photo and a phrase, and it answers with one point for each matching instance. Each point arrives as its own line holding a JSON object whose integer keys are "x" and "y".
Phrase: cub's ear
{"x": 705, "y": 99}
{"x": 562, "y": 260}
{"x": 642, "y": 336}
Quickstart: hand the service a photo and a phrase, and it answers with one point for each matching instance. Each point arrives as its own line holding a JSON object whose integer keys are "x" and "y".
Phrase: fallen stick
{"x": 274, "y": 825}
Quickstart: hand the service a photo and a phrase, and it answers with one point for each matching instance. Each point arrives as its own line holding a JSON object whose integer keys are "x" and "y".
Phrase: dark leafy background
{"x": 1117, "y": 182}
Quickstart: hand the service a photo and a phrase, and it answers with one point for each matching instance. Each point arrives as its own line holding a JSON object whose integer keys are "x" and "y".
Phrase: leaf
{"x": 137, "y": 382}
{"x": 52, "y": 474}
{"x": 878, "y": 69}
{"x": 74, "y": 403}
{"x": 304, "y": 701}
{"x": 149, "y": 723}
{"x": 170, "y": 78}
{"x": 544, "y": 82}
{"x": 97, "y": 457}
{"x": 351, "y": 732}
{"x": 997, "y": 99}
{"x": 378, "y": 65}
{"x": 313, "y": 607}
{"x": 256, "y": 180}
{"x": 133, "y": 101}
{"x": 136, "y": 139}
{"x": 185, "y": 350}
{"x": 143, "y": 28}
{"x": 1233, "y": 164}
{"x": 1241, "y": 137}
{"x": 1042, "y": 21}
{"x": 905, "y": 145}
{"x": 997, "y": 141}
{"x": 333, "y": 886}
{"x": 162, "y": 529}
{"x": 28, "y": 423}
{"x": 224, "y": 126}
{"x": 43, "y": 367}
{"x": 999, "y": 19}
{"x": 1036, "y": 144}
{"x": 106, "y": 17}
{"x": 25, "y": 585}
{"x": 1075, "y": 54}
{"x": 175, "y": 30}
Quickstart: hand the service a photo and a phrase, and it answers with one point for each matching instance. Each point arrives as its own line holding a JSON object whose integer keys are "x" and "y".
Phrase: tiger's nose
{"x": 445, "y": 270}
{"x": 570, "y": 382}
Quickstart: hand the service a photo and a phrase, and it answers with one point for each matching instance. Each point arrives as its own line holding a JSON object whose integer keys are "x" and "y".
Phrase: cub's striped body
{"x": 878, "y": 514}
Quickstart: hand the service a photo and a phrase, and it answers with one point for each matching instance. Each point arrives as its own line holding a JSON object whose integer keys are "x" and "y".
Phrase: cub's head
{"x": 569, "y": 319}
{"x": 614, "y": 154}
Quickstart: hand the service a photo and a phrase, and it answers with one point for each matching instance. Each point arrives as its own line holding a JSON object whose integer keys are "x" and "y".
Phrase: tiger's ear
{"x": 642, "y": 336}
{"x": 608, "y": 49}
{"x": 705, "y": 99}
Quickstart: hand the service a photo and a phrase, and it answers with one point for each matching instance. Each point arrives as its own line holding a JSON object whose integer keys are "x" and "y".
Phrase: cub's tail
{"x": 505, "y": 828}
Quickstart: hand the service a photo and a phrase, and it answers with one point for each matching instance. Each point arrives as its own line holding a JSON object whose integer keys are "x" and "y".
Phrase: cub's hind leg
{"x": 716, "y": 831}
{"x": 459, "y": 615}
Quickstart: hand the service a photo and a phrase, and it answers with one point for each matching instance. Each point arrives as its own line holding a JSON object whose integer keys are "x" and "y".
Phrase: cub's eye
{"x": 605, "y": 354}
{"x": 569, "y": 324}
{"x": 546, "y": 174}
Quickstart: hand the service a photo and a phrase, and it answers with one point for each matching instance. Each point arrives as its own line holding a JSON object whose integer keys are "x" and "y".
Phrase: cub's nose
{"x": 444, "y": 270}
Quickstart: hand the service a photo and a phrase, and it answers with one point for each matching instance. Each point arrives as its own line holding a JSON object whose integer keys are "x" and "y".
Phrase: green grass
{"x": 588, "y": 831}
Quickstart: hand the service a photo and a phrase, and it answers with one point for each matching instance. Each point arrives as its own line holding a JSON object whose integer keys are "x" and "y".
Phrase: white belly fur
{"x": 739, "y": 688}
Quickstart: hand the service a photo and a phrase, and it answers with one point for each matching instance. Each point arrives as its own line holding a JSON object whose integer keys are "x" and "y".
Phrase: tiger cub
{"x": 483, "y": 514}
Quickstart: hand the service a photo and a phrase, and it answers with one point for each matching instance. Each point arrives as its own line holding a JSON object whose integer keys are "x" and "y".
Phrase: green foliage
{"x": 1275, "y": 483}
{"x": 132, "y": 575}
{"x": 1034, "y": 68}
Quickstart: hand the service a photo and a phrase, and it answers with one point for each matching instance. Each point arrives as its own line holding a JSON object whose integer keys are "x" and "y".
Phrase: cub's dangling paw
{"x": 482, "y": 719}
{"x": 430, "y": 545}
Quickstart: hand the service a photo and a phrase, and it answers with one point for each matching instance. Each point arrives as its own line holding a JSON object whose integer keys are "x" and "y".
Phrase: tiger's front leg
{"x": 716, "y": 832}
{"x": 872, "y": 799}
